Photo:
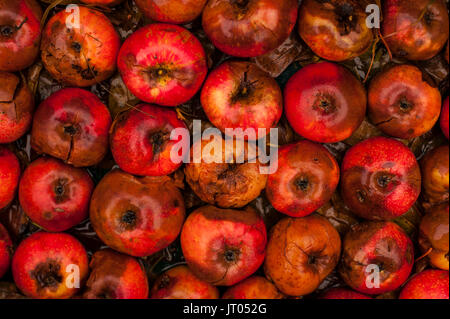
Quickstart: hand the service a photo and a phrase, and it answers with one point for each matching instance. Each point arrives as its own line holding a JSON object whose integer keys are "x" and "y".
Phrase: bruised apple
{"x": 343, "y": 293}
{"x": 223, "y": 246}
{"x": 180, "y": 283}
{"x": 9, "y": 176}
{"x": 115, "y": 276}
{"x": 301, "y": 252}
{"x": 137, "y": 216}
{"x": 255, "y": 287}
{"x": 6, "y": 249}
{"x": 435, "y": 175}
{"x": 444, "y": 121}
{"x": 335, "y": 30}
{"x": 249, "y": 28}
{"x": 428, "y": 284}
{"x": 306, "y": 178}
{"x": 172, "y": 11}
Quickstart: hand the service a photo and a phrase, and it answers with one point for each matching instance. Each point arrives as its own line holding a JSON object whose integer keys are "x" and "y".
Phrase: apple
{"x": 9, "y": 176}
{"x": 444, "y": 118}
{"x": 435, "y": 175}
{"x": 428, "y": 284}
{"x": 6, "y": 250}
{"x": 172, "y": 11}
{"x": 255, "y": 287}
{"x": 343, "y": 293}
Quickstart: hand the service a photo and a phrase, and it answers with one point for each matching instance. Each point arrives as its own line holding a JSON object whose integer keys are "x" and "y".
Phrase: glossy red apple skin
{"x": 238, "y": 94}
{"x": 137, "y": 216}
{"x": 379, "y": 243}
{"x": 335, "y": 30}
{"x": 55, "y": 195}
{"x": 343, "y": 293}
{"x": 402, "y": 103}
{"x": 39, "y": 265}
{"x": 415, "y": 30}
{"x": 435, "y": 175}
{"x": 115, "y": 276}
{"x": 444, "y": 118}
{"x": 305, "y": 180}
{"x": 73, "y": 125}
{"x": 163, "y": 64}
{"x": 16, "y": 107}
{"x": 20, "y": 34}
{"x": 223, "y": 246}
{"x": 6, "y": 249}
{"x": 249, "y": 28}
{"x": 80, "y": 56}
{"x": 140, "y": 140}
{"x": 172, "y": 11}
{"x": 9, "y": 176}
{"x": 324, "y": 102}
{"x": 380, "y": 178}
{"x": 428, "y": 284}
{"x": 180, "y": 283}
{"x": 108, "y": 3}
{"x": 255, "y": 287}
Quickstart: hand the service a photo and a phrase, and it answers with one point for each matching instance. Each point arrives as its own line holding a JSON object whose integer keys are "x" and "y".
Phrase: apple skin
{"x": 180, "y": 283}
{"x": 324, "y": 102}
{"x": 249, "y": 28}
{"x": 223, "y": 246}
{"x": 435, "y": 175}
{"x": 144, "y": 217}
{"x": 428, "y": 284}
{"x": 115, "y": 276}
{"x": 255, "y": 287}
{"x": 108, "y": 3}
{"x": 379, "y": 243}
{"x": 380, "y": 179}
{"x": 301, "y": 253}
{"x": 55, "y": 195}
{"x": 238, "y": 94}
{"x": 343, "y": 293}
{"x": 140, "y": 140}
{"x": 402, "y": 103}
{"x": 20, "y": 34}
{"x": 444, "y": 118}
{"x": 172, "y": 11}
{"x": 335, "y": 30}
{"x": 9, "y": 176}
{"x": 306, "y": 178}
{"x": 16, "y": 107}
{"x": 163, "y": 64}
{"x": 410, "y": 36}
{"x": 40, "y": 262}
{"x": 6, "y": 250}
{"x": 73, "y": 125}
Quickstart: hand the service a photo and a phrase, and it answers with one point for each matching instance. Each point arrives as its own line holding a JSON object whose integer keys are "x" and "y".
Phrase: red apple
{"x": 435, "y": 175}
{"x": 73, "y": 125}
{"x": 402, "y": 103}
{"x": 163, "y": 64}
{"x": 109, "y": 3}
{"x": 223, "y": 246}
{"x": 6, "y": 249}
{"x": 428, "y": 284}
{"x": 376, "y": 250}
{"x": 9, "y": 176}
{"x": 55, "y": 195}
{"x": 46, "y": 265}
{"x": 80, "y": 56}
{"x": 444, "y": 118}
{"x": 240, "y": 95}
{"x": 343, "y": 293}
{"x": 136, "y": 216}
{"x": 172, "y": 11}
{"x": 141, "y": 143}
{"x": 335, "y": 30}
{"x": 115, "y": 276}
{"x": 180, "y": 283}
{"x": 306, "y": 178}
{"x": 380, "y": 178}
{"x": 324, "y": 102}
{"x": 255, "y": 287}
{"x": 416, "y": 30}
{"x": 249, "y": 28}
{"x": 20, "y": 33}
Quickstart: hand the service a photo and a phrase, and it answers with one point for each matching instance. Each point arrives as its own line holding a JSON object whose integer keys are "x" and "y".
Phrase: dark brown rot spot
{"x": 47, "y": 275}
{"x": 76, "y": 46}
{"x": 158, "y": 139}
{"x": 361, "y": 196}
{"x": 165, "y": 281}
{"x": 346, "y": 18}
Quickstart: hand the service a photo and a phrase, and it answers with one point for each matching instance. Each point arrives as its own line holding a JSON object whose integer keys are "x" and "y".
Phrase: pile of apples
{"x": 230, "y": 249}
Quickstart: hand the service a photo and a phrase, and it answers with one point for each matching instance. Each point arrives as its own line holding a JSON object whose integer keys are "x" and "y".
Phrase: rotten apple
{"x": 180, "y": 283}
{"x": 435, "y": 175}
{"x": 325, "y": 102}
{"x": 45, "y": 263}
{"x": 444, "y": 118}
{"x": 172, "y": 11}
{"x": 141, "y": 141}
{"x": 6, "y": 249}
{"x": 55, "y": 195}
{"x": 80, "y": 56}
{"x": 343, "y": 293}
{"x": 428, "y": 284}
{"x": 137, "y": 216}
{"x": 335, "y": 30}
{"x": 255, "y": 287}
{"x": 306, "y": 178}
{"x": 402, "y": 103}
{"x": 301, "y": 252}
{"x": 9, "y": 176}
{"x": 380, "y": 178}
{"x": 163, "y": 64}
{"x": 223, "y": 246}
{"x": 249, "y": 28}
{"x": 73, "y": 125}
